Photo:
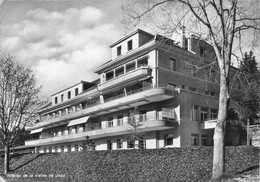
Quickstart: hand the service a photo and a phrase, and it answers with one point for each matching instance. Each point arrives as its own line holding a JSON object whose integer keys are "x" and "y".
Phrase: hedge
{"x": 176, "y": 164}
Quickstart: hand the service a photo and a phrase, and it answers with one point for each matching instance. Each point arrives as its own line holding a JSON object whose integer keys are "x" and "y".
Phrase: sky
{"x": 61, "y": 41}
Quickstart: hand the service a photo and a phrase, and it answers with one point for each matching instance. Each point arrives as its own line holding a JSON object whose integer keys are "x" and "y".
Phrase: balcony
{"x": 131, "y": 99}
{"x": 95, "y": 133}
{"x": 125, "y": 78}
{"x": 208, "y": 124}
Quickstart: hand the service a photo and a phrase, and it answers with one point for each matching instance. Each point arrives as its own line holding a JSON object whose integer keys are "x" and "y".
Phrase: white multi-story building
{"x": 174, "y": 99}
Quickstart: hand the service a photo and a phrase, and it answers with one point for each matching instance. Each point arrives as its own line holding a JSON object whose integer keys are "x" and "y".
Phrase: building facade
{"x": 165, "y": 86}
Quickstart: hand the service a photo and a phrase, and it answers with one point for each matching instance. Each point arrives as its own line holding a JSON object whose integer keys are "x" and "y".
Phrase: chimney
{"x": 183, "y": 38}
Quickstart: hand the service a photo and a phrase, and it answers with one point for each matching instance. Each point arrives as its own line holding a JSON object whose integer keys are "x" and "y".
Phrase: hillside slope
{"x": 186, "y": 164}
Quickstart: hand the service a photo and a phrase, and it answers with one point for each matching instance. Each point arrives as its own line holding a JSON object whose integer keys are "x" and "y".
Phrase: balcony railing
{"x": 124, "y": 78}
{"x": 139, "y": 118}
{"x": 96, "y": 101}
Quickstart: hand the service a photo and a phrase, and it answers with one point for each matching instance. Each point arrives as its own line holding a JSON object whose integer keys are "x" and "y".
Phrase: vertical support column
{"x": 36, "y": 151}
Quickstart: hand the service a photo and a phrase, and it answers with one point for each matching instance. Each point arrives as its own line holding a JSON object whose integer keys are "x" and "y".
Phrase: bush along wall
{"x": 177, "y": 164}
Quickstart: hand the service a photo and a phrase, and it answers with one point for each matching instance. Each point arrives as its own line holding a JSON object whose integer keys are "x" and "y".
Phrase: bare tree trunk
{"x": 7, "y": 159}
{"x": 219, "y": 133}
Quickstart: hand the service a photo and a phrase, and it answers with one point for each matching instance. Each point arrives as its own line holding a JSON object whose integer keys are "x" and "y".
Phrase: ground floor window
{"x": 93, "y": 146}
{"x": 168, "y": 139}
{"x": 76, "y": 147}
{"x": 109, "y": 145}
{"x": 211, "y": 141}
{"x": 119, "y": 143}
{"x": 56, "y": 149}
{"x": 130, "y": 144}
{"x": 62, "y": 148}
{"x": 50, "y": 150}
{"x": 204, "y": 140}
{"x": 194, "y": 139}
{"x": 69, "y": 148}
{"x": 142, "y": 144}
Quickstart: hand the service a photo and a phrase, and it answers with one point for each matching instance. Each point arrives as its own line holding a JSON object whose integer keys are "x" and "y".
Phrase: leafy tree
{"x": 18, "y": 102}
{"x": 134, "y": 132}
{"x": 87, "y": 144}
{"x": 219, "y": 23}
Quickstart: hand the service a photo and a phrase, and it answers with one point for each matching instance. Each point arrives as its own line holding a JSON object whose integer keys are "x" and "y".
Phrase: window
{"x": 76, "y": 147}
{"x": 50, "y": 150}
{"x": 193, "y": 71}
{"x": 130, "y": 144}
{"x": 202, "y": 51}
{"x": 120, "y": 120}
{"x": 56, "y": 100}
{"x": 119, "y": 50}
{"x": 109, "y": 75}
{"x": 56, "y": 149}
{"x": 193, "y": 89}
{"x": 211, "y": 141}
{"x": 168, "y": 113}
{"x": 130, "y": 66}
{"x": 213, "y": 94}
{"x": 110, "y": 122}
{"x": 142, "y": 143}
{"x": 93, "y": 146}
{"x": 143, "y": 62}
{"x": 194, "y": 139}
{"x": 119, "y": 144}
{"x": 62, "y": 148}
{"x": 173, "y": 64}
{"x": 109, "y": 145}
{"x": 45, "y": 150}
{"x": 207, "y": 92}
{"x": 62, "y": 132}
{"x": 69, "y": 148}
{"x": 194, "y": 113}
{"x": 129, "y": 45}
{"x": 204, "y": 113}
{"x": 119, "y": 71}
{"x": 61, "y": 97}
{"x": 183, "y": 87}
{"x": 142, "y": 116}
{"x": 204, "y": 140}
{"x": 213, "y": 113}
{"x": 168, "y": 139}
{"x": 69, "y": 95}
{"x": 76, "y": 91}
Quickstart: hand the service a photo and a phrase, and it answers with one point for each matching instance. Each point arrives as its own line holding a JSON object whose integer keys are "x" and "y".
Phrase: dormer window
{"x": 119, "y": 50}
{"x": 130, "y": 45}
{"x": 76, "y": 91}
{"x": 56, "y": 100}
{"x": 69, "y": 95}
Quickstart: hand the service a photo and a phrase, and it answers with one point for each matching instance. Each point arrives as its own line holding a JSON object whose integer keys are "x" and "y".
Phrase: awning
{"x": 78, "y": 121}
{"x": 36, "y": 131}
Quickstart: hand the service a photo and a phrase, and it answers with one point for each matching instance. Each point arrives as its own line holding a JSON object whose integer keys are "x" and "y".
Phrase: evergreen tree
{"x": 249, "y": 104}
